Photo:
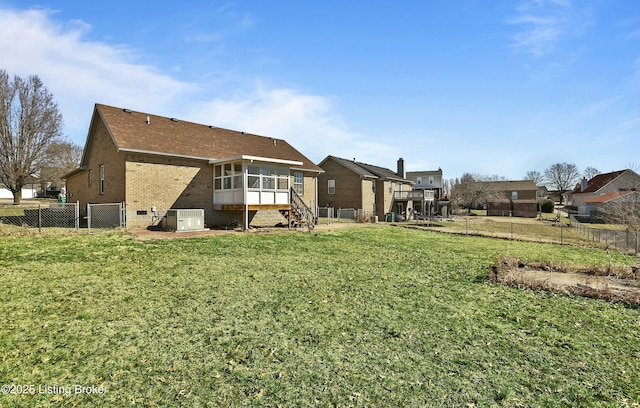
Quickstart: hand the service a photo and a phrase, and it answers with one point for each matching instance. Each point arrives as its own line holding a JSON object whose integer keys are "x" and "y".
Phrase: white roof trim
{"x": 258, "y": 159}
{"x": 124, "y": 149}
{"x": 213, "y": 161}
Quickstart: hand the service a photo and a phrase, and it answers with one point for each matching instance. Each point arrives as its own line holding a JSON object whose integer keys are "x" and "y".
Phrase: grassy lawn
{"x": 377, "y": 316}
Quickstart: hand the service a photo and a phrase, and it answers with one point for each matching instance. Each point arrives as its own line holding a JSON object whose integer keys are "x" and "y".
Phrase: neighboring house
{"x": 27, "y": 192}
{"x": 609, "y": 202}
{"x": 516, "y": 198}
{"x": 430, "y": 180}
{"x": 351, "y": 184}
{"x": 429, "y": 186}
{"x": 154, "y": 163}
{"x": 622, "y": 180}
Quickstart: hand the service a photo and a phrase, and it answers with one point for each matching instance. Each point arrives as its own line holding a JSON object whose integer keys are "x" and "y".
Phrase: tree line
{"x": 471, "y": 189}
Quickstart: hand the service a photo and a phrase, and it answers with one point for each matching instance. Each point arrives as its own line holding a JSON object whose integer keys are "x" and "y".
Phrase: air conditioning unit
{"x": 185, "y": 220}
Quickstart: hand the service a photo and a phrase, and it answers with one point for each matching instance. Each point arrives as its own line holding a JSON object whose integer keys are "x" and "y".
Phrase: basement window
{"x": 141, "y": 212}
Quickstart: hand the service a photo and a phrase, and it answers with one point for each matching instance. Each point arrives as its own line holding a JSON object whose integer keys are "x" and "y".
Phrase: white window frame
{"x": 298, "y": 182}
{"x": 331, "y": 187}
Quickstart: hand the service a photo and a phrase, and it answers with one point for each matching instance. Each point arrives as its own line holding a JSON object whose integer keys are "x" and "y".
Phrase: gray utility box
{"x": 185, "y": 220}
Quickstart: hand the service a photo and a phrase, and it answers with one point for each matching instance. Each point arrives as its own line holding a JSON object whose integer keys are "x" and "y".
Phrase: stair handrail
{"x": 305, "y": 212}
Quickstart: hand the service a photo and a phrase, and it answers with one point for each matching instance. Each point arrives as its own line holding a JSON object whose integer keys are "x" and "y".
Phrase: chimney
{"x": 401, "y": 172}
{"x": 583, "y": 184}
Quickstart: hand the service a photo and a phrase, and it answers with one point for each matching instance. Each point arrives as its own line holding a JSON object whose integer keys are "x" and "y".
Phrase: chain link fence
{"x": 329, "y": 215}
{"x": 326, "y": 215}
{"x": 110, "y": 215}
{"x": 625, "y": 240}
{"x": 47, "y": 214}
{"x": 347, "y": 214}
{"x": 41, "y": 215}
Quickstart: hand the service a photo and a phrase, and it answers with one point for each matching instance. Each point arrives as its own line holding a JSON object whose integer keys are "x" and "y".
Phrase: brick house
{"x": 351, "y": 184}
{"x": 614, "y": 202}
{"x": 154, "y": 163}
{"x": 622, "y": 180}
{"x": 516, "y": 198}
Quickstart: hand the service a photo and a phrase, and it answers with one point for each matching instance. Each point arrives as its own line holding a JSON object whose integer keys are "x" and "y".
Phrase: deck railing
{"x": 418, "y": 195}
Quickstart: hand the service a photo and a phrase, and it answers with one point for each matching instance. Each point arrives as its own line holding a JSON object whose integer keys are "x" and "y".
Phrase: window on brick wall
{"x": 331, "y": 186}
{"x": 102, "y": 179}
{"x": 298, "y": 183}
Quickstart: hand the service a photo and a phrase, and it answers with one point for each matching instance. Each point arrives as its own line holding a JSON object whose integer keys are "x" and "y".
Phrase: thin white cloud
{"x": 80, "y": 73}
{"x": 600, "y": 106}
{"x": 543, "y": 24}
{"x": 308, "y": 122}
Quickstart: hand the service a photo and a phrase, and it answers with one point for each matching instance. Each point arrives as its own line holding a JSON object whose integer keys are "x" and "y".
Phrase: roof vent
{"x": 243, "y": 133}
{"x": 126, "y": 110}
{"x": 174, "y": 119}
{"x": 275, "y": 142}
{"x": 211, "y": 127}
{"x": 148, "y": 121}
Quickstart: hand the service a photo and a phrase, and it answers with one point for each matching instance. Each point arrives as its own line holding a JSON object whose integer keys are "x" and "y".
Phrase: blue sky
{"x": 482, "y": 86}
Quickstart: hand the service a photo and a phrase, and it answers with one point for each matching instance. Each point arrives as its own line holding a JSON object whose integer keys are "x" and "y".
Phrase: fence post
{"x": 77, "y": 215}
{"x": 88, "y": 218}
{"x": 123, "y": 215}
{"x": 39, "y": 217}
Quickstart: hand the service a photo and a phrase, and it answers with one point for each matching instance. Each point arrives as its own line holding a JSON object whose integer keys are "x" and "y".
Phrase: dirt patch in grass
{"x": 617, "y": 284}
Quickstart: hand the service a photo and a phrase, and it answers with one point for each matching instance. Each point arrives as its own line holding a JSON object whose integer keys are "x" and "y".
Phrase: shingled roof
{"x": 367, "y": 170}
{"x": 608, "y": 197}
{"x": 597, "y": 182}
{"x": 152, "y": 134}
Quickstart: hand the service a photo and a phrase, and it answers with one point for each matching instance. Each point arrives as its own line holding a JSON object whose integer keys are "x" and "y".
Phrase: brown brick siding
{"x": 166, "y": 183}
{"x": 102, "y": 152}
{"x": 349, "y": 188}
{"x": 144, "y": 181}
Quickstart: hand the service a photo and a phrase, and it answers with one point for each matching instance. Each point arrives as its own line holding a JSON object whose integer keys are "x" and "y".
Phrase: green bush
{"x": 546, "y": 206}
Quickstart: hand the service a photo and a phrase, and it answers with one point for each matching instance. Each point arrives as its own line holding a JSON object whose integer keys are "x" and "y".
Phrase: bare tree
{"x": 561, "y": 176}
{"x": 446, "y": 188}
{"x": 625, "y": 211}
{"x": 58, "y": 159}
{"x": 590, "y": 172}
{"x": 473, "y": 189}
{"x": 536, "y": 176}
{"x": 29, "y": 122}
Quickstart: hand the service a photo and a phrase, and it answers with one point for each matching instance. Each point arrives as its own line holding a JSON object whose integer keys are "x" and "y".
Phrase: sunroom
{"x": 249, "y": 183}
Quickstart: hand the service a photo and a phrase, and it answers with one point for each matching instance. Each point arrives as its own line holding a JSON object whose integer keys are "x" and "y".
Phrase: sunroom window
{"x": 268, "y": 177}
{"x": 228, "y": 176}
